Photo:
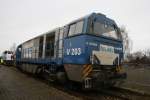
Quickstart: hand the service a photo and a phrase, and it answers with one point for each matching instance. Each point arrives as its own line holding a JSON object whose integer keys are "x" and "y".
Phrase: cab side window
{"x": 76, "y": 28}
{"x": 72, "y": 29}
{"x": 79, "y": 27}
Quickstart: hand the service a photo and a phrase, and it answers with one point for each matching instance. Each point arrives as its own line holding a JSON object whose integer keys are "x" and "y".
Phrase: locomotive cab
{"x": 93, "y": 52}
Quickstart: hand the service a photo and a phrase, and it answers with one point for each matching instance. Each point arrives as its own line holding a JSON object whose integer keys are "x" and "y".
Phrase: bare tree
{"x": 13, "y": 47}
{"x": 141, "y": 56}
{"x": 127, "y": 43}
{"x": 147, "y": 53}
{"x": 138, "y": 54}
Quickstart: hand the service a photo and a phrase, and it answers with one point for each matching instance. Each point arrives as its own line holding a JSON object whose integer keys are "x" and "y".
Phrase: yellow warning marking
{"x": 84, "y": 66}
{"x": 87, "y": 73}
{"x": 118, "y": 68}
{"x": 87, "y": 70}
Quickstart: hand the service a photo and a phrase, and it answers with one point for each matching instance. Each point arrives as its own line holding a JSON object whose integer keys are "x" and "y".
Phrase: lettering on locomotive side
{"x": 107, "y": 48}
{"x": 74, "y": 51}
{"x": 91, "y": 44}
{"x": 110, "y": 49}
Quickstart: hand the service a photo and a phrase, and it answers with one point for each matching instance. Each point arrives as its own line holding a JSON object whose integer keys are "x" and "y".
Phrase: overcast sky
{"x": 21, "y": 20}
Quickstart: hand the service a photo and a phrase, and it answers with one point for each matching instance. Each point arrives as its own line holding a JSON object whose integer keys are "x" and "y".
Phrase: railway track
{"x": 114, "y": 93}
{"x": 126, "y": 94}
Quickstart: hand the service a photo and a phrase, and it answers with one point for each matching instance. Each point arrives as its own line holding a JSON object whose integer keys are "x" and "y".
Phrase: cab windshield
{"x": 104, "y": 30}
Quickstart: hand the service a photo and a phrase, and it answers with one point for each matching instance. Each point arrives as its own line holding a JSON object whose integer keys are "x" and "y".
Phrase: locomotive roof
{"x": 87, "y": 16}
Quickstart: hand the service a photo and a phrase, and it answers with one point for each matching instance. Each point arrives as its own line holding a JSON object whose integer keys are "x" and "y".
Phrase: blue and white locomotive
{"x": 88, "y": 51}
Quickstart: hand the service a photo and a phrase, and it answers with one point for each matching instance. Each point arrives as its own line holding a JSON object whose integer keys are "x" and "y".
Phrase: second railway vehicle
{"x": 88, "y": 51}
{"x": 8, "y": 57}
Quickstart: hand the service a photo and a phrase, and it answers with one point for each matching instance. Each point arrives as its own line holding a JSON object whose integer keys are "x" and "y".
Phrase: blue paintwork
{"x": 79, "y": 41}
{"x": 18, "y": 53}
{"x": 82, "y": 41}
{"x": 40, "y": 61}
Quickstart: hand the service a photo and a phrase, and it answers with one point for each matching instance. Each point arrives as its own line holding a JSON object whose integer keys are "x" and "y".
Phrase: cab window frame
{"x": 78, "y": 28}
{"x": 91, "y": 26}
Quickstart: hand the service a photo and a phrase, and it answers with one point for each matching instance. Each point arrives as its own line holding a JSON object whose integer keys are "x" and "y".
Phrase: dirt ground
{"x": 138, "y": 77}
{"x": 18, "y": 86}
{"x": 15, "y": 85}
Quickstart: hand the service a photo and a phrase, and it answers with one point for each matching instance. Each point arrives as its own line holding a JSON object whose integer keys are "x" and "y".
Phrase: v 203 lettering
{"x": 74, "y": 51}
